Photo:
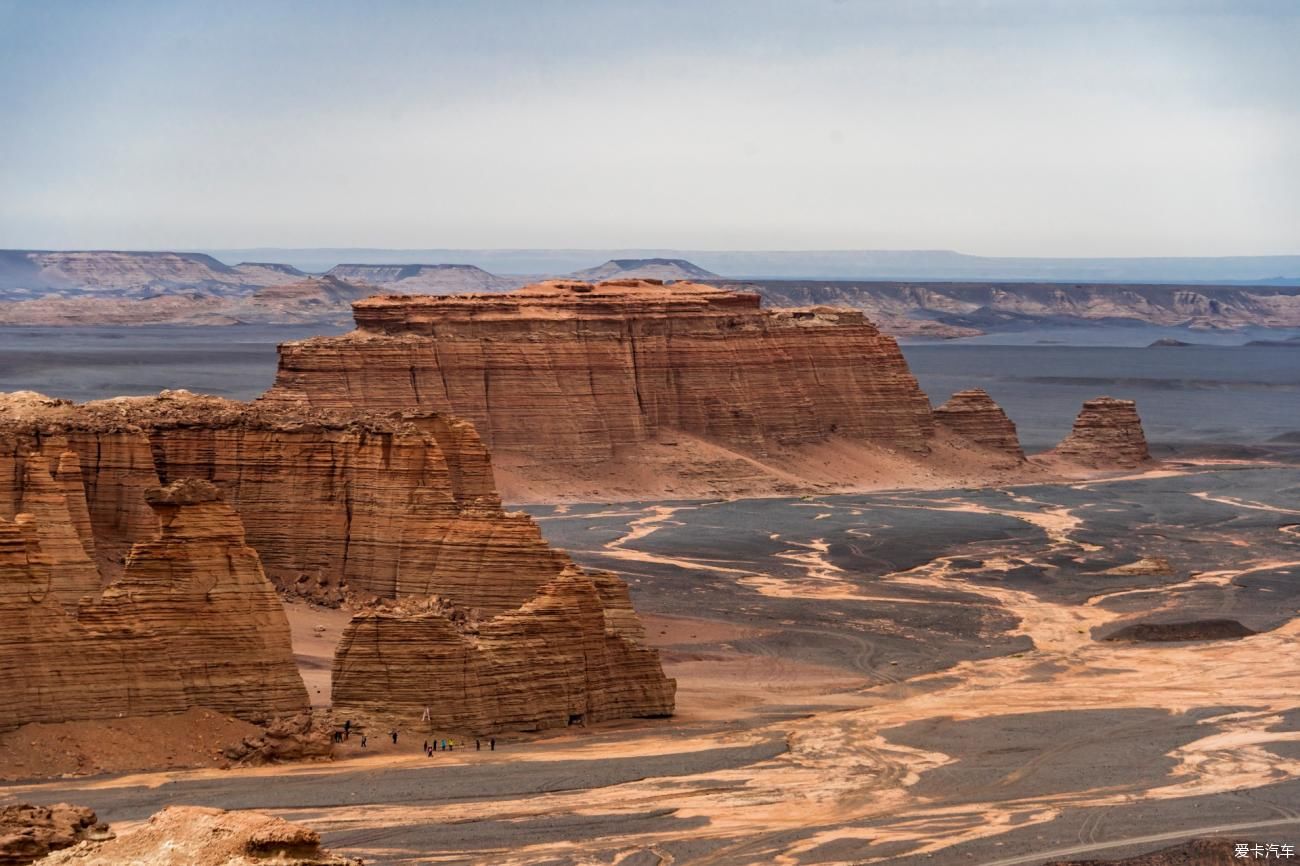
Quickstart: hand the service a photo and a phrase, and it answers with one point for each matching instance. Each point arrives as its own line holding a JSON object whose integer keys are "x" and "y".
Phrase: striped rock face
{"x": 1107, "y": 433}
{"x": 973, "y": 414}
{"x": 385, "y": 506}
{"x": 191, "y": 622}
{"x": 574, "y": 377}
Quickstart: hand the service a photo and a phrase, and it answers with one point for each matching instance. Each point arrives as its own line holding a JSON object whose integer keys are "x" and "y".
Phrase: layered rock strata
{"x": 192, "y": 622}
{"x": 398, "y": 505}
{"x": 1107, "y": 433}
{"x": 388, "y": 505}
{"x": 566, "y": 372}
{"x": 572, "y": 654}
{"x": 974, "y": 415}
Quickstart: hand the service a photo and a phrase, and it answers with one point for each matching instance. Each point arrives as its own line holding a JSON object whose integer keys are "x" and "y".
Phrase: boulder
{"x": 28, "y": 833}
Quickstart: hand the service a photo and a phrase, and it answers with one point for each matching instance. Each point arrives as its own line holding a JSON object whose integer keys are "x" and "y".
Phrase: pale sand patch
{"x": 683, "y": 466}
{"x": 313, "y": 649}
{"x": 1242, "y": 503}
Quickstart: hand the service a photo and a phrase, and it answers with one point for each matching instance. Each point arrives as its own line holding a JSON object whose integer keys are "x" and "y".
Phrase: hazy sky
{"x": 1080, "y": 127}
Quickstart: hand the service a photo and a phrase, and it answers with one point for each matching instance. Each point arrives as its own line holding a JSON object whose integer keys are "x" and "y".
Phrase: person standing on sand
{"x": 393, "y": 734}
{"x": 478, "y": 747}
{"x": 493, "y": 743}
{"x": 363, "y": 741}
{"x": 347, "y": 727}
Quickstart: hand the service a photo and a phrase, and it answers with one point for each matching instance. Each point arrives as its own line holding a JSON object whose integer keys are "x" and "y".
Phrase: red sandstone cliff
{"x": 569, "y": 377}
{"x": 192, "y": 622}
{"x": 565, "y": 656}
{"x": 386, "y": 505}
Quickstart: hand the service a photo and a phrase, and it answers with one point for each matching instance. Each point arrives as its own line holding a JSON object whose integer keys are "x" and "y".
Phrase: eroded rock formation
{"x": 973, "y": 414}
{"x": 1107, "y": 433}
{"x": 191, "y": 622}
{"x": 387, "y": 506}
{"x": 576, "y": 375}
{"x": 28, "y": 833}
{"x": 571, "y": 654}
{"x": 188, "y": 835}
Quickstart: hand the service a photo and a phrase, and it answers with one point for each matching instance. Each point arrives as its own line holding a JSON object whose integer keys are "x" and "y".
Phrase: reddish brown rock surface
{"x": 191, "y": 835}
{"x": 973, "y": 414}
{"x": 570, "y": 376}
{"x": 192, "y": 622}
{"x": 28, "y": 833}
{"x": 387, "y": 505}
{"x": 1107, "y": 433}
{"x": 572, "y": 654}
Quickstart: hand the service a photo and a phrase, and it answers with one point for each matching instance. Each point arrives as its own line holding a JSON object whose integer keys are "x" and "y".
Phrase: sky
{"x": 1002, "y": 127}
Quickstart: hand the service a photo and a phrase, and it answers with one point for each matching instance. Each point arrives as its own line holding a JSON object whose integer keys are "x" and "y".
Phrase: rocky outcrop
{"x": 573, "y": 375}
{"x": 386, "y": 506}
{"x": 53, "y": 501}
{"x": 28, "y": 833}
{"x": 192, "y": 622}
{"x": 1107, "y": 434}
{"x": 188, "y": 835}
{"x": 570, "y": 655}
{"x": 974, "y": 415}
{"x": 304, "y": 737}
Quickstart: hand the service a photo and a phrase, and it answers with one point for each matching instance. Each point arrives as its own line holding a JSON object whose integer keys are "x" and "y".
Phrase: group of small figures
{"x": 450, "y": 745}
{"x": 429, "y": 748}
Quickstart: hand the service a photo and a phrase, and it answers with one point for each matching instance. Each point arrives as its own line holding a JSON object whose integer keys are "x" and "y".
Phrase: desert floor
{"x": 908, "y": 677}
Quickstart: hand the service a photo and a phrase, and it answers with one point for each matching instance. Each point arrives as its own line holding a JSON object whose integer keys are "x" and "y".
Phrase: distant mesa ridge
{"x": 424, "y": 279}
{"x": 274, "y": 266}
{"x": 652, "y": 268}
{"x": 939, "y": 304}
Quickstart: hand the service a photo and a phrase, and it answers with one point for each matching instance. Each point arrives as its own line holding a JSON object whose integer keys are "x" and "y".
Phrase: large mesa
{"x": 572, "y": 383}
